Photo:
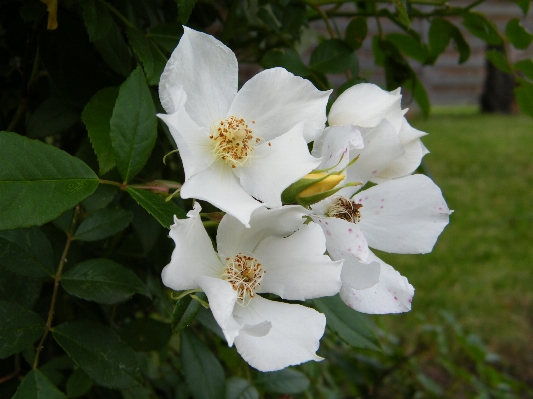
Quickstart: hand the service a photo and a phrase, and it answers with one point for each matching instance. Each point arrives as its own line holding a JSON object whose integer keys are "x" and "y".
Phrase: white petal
{"x": 336, "y": 142}
{"x": 219, "y": 186}
{"x": 404, "y": 215}
{"x": 359, "y": 275}
{"x": 194, "y": 145}
{"x": 293, "y": 339}
{"x": 296, "y": 267}
{"x": 343, "y": 239}
{"x": 222, "y": 298}
{"x": 193, "y": 256}
{"x": 233, "y": 237}
{"x": 405, "y": 165}
{"x": 275, "y": 165}
{"x": 366, "y": 105}
{"x": 382, "y": 147}
{"x": 277, "y": 100}
{"x": 207, "y": 70}
{"x": 392, "y": 294}
{"x": 408, "y": 133}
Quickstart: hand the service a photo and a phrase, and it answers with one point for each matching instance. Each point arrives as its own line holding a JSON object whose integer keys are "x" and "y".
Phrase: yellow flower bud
{"x": 322, "y": 186}
{"x": 51, "y": 6}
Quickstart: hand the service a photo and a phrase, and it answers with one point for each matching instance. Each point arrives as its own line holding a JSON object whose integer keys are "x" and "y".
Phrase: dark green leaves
{"x": 156, "y": 205}
{"x": 99, "y": 352}
{"x": 184, "y": 313}
{"x": 499, "y": 60}
{"x": 239, "y": 388}
{"x": 285, "y": 381}
{"x": 409, "y": 46}
{"x": 102, "y": 281}
{"x": 36, "y": 386}
{"x": 286, "y": 58}
{"x": 524, "y": 96}
{"x": 202, "y": 371}
{"x": 102, "y": 224}
{"x": 146, "y": 334}
{"x": 133, "y": 125}
{"x": 151, "y": 57}
{"x": 356, "y": 32}
{"x": 38, "y": 182}
{"x": 441, "y": 32}
{"x": 185, "y": 8}
{"x": 19, "y": 328}
{"x": 97, "y": 19}
{"x": 96, "y": 116}
{"x": 481, "y": 27}
{"x": 348, "y": 324}
{"x": 166, "y": 35}
{"x": 526, "y": 67}
{"x": 401, "y": 6}
{"x": 26, "y": 252}
{"x": 519, "y": 37}
{"x": 332, "y": 56}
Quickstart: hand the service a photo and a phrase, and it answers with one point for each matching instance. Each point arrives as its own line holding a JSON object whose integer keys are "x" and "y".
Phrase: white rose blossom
{"x": 278, "y": 254}
{"x": 239, "y": 150}
{"x": 366, "y": 105}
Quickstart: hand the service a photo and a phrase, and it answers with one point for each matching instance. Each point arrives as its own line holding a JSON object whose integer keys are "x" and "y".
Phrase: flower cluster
{"x": 297, "y": 224}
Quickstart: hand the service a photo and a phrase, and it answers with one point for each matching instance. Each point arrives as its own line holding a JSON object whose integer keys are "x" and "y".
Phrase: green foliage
{"x": 332, "y": 56}
{"x": 20, "y": 328}
{"x": 517, "y": 35}
{"x": 35, "y": 385}
{"x": 102, "y": 224}
{"x": 284, "y": 381}
{"x": 156, "y": 205}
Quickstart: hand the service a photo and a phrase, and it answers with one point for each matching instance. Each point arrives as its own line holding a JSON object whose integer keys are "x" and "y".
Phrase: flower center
{"x": 244, "y": 273}
{"x": 343, "y": 208}
{"x": 233, "y": 141}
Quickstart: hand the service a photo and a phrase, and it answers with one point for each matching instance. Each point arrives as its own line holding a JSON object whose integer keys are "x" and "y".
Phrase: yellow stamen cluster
{"x": 345, "y": 209}
{"x": 234, "y": 141}
{"x": 244, "y": 273}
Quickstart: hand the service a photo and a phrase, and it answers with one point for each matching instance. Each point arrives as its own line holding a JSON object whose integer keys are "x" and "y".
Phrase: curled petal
{"x": 193, "y": 256}
{"x": 276, "y": 100}
{"x": 391, "y": 294}
{"x": 366, "y": 105}
{"x": 336, "y": 142}
{"x": 296, "y": 267}
{"x": 293, "y": 338}
{"x": 233, "y": 237}
{"x": 207, "y": 70}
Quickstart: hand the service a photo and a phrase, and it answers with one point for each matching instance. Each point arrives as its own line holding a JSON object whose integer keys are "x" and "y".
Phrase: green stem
{"x": 113, "y": 183}
{"x": 118, "y": 14}
{"x": 326, "y": 20}
{"x": 62, "y": 262}
{"x": 474, "y": 4}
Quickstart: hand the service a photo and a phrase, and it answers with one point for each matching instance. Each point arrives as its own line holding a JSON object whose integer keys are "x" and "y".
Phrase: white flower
{"x": 278, "y": 254}
{"x": 366, "y": 105}
{"x": 237, "y": 148}
{"x": 403, "y": 216}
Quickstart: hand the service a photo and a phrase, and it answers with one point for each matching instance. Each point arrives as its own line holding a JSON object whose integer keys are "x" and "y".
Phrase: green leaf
{"x": 409, "y": 46}
{"x": 102, "y": 224}
{"x": 114, "y": 51}
{"x": 348, "y": 324}
{"x": 136, "y": 393}
{"x": 420, "y": 95}
{"x": 356, "y": 32}
{"x": 202, "y": 371}
{"x": 166, "y": 35}
{"x": 151, "y": 57}
{"x": 22, "y": 291}
{"x": 401, "y": 6}
{"x": 27, "y": 252}
{"x": 102, "y": 281}
{"x": 38, "y": 182}
{"x": 104, "y": 194}
{"x": 185, "y": 8}
{"x": 519, "y": 37}
{"x": 19, "y": 328}
{"x": 162, "y": 210}
{"x": 52, "y": 116}
{"x": 100, "y": 353}
{"x": 287, "y": 381}
{"x": 441, "y": 32}
{"x": 97, "y": 19}
{"x": 97, "y": 116}
{"x": 78, "y": 384}
{"x": 133, "y": 125}
{"x": 239, "y": 388}
{"x": 36, "y": 386}
{"x": 332, "y": 56}
{"x": 481, "y": 27}
{"x": 499, "y": 60}
{"x": 293, "y": 18}
{"x": 146, "y": 334}
{"x": 526, "y": 67}
{"x": 524, "y": 96}
{"x": 524, "y": 5}
{"x": 184, "y": 313}
{"x": 286, "y": 58}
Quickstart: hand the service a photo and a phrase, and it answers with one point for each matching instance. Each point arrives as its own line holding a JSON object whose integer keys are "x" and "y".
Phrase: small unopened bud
{"x": 328, "y": 183}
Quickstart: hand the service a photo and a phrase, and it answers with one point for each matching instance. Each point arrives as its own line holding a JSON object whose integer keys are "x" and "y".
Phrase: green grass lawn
{"x": 481, "y": 269}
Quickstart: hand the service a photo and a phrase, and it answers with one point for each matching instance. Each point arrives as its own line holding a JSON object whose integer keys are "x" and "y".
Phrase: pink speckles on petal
{"x": 381, "y": 206}
{"x": 328, "y": 232}
{"x": 395, "y": 298}
{"x": 327, "y": 223}
{"x": 351, "y": 231}
{"x": 374, "y": 172}
{"x": 383, "y": 199}
{"x": 349, "y": 250}
{"x": 360, "y": 200}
